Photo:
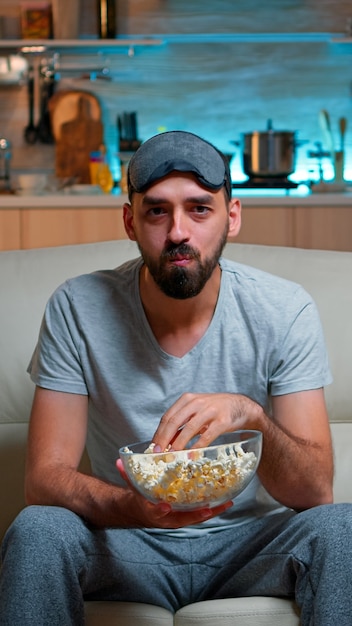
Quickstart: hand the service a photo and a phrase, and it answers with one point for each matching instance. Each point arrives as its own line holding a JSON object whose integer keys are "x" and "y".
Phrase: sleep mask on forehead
{"x": 181, "y": 152}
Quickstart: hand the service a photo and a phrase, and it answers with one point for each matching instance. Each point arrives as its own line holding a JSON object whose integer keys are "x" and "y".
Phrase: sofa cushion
{"x": 12, "y": 460}
{"x": 342, "y": 437}
{"x": 229, "y": 612}
{"x": 126, "y": 614}
{"x": 239, "y": 611}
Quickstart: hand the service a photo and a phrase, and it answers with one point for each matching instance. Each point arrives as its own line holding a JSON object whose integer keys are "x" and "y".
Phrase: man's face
{"x": 182, "y": 281}
{"x": 181, "y": 229}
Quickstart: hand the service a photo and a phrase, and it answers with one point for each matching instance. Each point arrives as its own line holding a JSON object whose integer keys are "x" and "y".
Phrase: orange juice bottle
{"x": 95, "y": 161}
{"x": 104, "y": 177}
{"x": 103, "y": 174}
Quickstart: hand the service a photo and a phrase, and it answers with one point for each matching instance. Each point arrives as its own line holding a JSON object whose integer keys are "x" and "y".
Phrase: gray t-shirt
{"x": 264, "y": 339}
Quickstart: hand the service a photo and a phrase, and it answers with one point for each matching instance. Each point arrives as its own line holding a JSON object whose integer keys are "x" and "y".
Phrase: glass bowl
{"x": 195, "y": 477}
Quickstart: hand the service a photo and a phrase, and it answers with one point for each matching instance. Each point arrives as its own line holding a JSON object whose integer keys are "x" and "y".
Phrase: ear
{"x": 128, "y": 221}
{"x": 234, "y": 217}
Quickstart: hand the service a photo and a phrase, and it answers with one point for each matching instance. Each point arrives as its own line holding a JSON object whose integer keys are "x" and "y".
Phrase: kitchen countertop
{"x": 256, "y": 198}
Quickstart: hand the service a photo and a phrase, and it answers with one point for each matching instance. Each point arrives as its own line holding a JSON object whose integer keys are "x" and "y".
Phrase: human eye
{"x": 156, "y": 211}
{"x": 200, "y": 210}
{"x": 201, "y": 205}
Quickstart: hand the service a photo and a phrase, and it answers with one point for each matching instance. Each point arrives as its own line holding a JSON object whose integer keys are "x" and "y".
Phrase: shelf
{"x": 343, "y": 40}
{"x": 129, "y": 42}
{"x": 301, "y": 37}
{"x": 77, "y": 46}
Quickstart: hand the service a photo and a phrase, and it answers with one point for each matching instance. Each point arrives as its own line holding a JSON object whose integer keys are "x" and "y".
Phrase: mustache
{"x": 172, "y": 251}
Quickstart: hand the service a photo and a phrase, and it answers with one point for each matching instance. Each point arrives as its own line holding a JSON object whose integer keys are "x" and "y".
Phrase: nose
{"x": 178, "y": 227}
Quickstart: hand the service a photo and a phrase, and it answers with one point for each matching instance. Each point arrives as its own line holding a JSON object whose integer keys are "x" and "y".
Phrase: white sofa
{"x": 27, "y": 278}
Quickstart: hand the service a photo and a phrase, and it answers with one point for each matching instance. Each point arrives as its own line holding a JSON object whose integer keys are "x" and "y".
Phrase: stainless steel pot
{"x": 269, "y": 154}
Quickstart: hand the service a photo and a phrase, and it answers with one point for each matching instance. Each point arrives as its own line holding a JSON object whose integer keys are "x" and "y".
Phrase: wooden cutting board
{"x": 63, "y": 107}
{"x": 75, "y": 140}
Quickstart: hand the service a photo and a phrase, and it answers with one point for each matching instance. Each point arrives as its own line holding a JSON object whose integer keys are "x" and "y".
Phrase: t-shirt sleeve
{"x": 303, "y": 360}
{"x": 56, "y": 362}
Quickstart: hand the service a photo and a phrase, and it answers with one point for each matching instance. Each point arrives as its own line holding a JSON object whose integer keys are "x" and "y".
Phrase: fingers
{"x": 193, "y": 415}
{"x": 181, "y": 416}
{"x": 162, "y": 515}
{"x": 121, "y": 469}
{"x": 179, "y": 519}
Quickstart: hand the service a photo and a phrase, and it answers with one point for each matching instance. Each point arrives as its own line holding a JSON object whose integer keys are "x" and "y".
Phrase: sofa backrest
{"x": 28, "y": 277}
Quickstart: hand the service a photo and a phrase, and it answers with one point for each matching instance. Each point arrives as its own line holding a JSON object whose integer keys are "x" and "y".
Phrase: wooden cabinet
{"x": 324, "y": 228}
{"x": 306, "y": 226}
{"x": 10, "y": 232}
{"x": 58, "y": 227}
{"x": 267, "y": 226}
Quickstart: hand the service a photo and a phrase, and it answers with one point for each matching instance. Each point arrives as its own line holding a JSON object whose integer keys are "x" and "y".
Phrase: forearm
{"x": 99, "y": 502}
{"x": 295, "y": 471}
{"x": 296, "y": 466}
{"x": 108, "y": 506}
{"x": 55, "y": 445}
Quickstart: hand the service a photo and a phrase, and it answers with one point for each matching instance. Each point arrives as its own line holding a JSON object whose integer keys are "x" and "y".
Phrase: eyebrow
{"x": 206, "y": 198}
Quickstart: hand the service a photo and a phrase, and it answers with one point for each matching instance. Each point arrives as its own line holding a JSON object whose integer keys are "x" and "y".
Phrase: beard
{"x": 181, "y": 282}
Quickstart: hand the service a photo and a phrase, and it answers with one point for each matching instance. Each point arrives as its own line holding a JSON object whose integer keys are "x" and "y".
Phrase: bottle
{"x": 103, "y": 174}
{"x": 106, "y": 19}
{"x": 95, "y": 159}
{"x": 104, "y": 178}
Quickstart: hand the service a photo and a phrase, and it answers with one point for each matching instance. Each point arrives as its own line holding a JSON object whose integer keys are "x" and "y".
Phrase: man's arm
{"x": 297, "y": 462}
{"x": 297, "y": 466}
{"x": 56, "y": 440}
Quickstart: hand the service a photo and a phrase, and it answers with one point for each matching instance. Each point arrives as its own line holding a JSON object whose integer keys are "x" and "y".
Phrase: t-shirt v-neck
{"x": 200, "y": 344}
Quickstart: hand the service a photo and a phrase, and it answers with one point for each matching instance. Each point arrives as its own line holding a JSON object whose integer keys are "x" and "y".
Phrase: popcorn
{"x": 191, "y": 477}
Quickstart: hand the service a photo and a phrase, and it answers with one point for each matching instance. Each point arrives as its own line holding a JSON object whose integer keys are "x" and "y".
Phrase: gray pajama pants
{"x": 52, "y": 561}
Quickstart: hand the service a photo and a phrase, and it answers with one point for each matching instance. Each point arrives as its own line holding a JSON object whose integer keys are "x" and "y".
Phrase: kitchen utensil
{"x": 76, "y": 140}
{"x": 196, "y": 477}
{"x": 31, "y": 184}
{"x": 63, "y": 107}
{"x": 106, "y": 19}
{"x": 339, "y": 155}
{"x": 342, "y": 129}
{"x": 325, "y": 125}
{"x": 268, "y": 154}
{"x": 47, "y": 88}
{"x": 128, "y": 131}
{"x": 5, "y": 161}
{"x": 31, "y": 132}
